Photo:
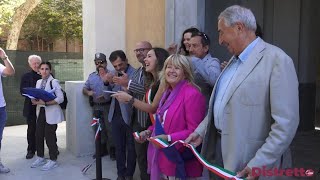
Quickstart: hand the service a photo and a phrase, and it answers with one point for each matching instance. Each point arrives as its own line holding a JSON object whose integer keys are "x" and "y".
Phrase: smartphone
{"x": 120, "y": 74}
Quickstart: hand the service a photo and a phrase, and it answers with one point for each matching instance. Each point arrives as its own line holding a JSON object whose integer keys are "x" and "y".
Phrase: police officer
{"x": 100, "y": 102}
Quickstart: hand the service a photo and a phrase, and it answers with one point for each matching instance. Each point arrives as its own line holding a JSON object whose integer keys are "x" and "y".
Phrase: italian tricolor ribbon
{"x": 148, "y": 100}
{"x": 96, "y": 122}
{"x": 221, "y": 172}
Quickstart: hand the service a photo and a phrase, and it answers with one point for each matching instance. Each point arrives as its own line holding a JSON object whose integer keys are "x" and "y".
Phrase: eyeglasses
{"x": 99, "y": 62}
{"x": 141, "y": 50}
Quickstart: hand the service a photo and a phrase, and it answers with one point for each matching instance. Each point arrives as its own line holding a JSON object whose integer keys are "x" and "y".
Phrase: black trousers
{"x": 48, "y": 132}
{"x": 124, "y": 142}
{"x": 141, "y": 151}
{"x": 31, "y": 133}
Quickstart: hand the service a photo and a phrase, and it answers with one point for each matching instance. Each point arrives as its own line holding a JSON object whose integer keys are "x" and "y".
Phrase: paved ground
{"x": 13, "y": 155}
{"x": 305, "y": 151}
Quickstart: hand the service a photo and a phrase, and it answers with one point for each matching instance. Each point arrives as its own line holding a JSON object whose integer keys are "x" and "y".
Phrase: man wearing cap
{"x": 100, "y": 102}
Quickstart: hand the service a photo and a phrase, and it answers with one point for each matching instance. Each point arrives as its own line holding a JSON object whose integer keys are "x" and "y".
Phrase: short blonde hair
{"x": 36, "y": 57}
{"x": 182, "y": 62}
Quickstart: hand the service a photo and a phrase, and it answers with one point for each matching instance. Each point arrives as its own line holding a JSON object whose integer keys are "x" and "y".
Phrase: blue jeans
{"x": 3, "y": 120}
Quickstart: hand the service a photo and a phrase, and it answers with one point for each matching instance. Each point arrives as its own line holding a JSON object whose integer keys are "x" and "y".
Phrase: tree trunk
{"x": 19, "y": 17}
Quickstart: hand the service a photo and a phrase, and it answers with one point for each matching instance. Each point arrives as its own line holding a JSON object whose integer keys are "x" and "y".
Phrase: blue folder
{"x": 38, "y": 94}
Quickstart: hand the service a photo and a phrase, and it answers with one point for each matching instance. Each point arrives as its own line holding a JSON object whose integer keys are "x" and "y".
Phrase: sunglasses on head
{"x": 203, "y": 35}
{"x": 99, "y": 62}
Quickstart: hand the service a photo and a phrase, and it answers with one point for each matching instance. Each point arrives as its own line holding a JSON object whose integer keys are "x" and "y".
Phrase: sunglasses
{"x": 203, "y": 35}
{"x": 99, "y": 62}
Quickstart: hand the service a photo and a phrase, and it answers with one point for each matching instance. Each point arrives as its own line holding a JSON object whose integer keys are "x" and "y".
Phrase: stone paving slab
{"x": 14, "y": 145}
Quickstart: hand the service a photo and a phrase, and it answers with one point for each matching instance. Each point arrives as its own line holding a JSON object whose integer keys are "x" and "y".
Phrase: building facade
{"x": 292, "y": 25}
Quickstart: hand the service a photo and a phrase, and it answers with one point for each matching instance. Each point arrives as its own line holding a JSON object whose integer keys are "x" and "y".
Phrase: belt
{"x": 101, "y": 104}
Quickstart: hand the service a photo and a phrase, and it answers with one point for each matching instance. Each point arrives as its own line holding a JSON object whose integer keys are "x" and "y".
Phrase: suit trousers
{"x": 217, "y": 158}
{"x": 124, "y": 142}
{"x": 141, "y": 151}
{"x": 31, "y": 133}
{"x": 48, "y": 132}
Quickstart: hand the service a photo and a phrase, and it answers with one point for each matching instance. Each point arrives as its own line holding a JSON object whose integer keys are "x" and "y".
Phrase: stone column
{"x": 103, "y": 30}
{"x": 182, "y": 14}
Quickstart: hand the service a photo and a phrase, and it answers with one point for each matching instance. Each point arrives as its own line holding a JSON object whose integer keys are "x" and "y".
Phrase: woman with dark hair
{"x": 154, "y": 63}
{"x": 49, "y": 114}
{"x": 184, "y": 44}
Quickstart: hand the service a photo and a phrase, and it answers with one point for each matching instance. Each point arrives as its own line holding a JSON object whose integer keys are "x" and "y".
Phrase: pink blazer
{"x": 182, "y": 118}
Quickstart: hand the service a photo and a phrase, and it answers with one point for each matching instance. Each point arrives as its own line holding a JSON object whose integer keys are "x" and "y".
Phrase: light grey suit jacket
{"x": 260, "y": 112}
{"x": 126, "y": 109}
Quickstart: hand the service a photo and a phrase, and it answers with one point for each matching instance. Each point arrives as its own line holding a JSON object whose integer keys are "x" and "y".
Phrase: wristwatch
{"x": 131, "y": 101}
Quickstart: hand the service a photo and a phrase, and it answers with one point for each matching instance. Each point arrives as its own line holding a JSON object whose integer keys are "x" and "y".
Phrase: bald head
{"x": 141, "y": 50}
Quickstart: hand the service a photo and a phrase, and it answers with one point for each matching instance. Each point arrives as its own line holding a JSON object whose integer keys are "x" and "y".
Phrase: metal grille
{"x": 66, "y": 67}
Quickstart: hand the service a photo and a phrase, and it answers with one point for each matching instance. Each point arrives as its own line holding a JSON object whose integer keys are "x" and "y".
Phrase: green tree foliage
{"x": 53, "y": 19}
{"x": 7, "y": 9}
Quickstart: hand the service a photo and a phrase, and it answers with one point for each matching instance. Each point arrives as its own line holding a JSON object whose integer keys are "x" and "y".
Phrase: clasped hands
{"x": 118, "y": 80}
{"x": 146, "y": 135}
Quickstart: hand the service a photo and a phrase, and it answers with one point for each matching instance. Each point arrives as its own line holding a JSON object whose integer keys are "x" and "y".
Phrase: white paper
{"x": 31, "y": 97}
{"x": 111, "y": 92}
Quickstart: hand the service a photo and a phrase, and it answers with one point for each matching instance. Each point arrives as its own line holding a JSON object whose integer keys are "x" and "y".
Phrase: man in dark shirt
{"x": 30, "y": 79}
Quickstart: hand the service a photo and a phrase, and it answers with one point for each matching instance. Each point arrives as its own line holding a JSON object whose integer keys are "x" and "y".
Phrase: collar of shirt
{"x": 246, "y": 52}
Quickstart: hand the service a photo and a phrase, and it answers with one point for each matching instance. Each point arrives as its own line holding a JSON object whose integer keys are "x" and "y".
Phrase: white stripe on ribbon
{"x": 223, "y": 173}
{"x": 96, "y": 121}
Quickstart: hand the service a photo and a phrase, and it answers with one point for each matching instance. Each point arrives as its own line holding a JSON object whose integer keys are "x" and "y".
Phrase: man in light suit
{"x": 254, "y": 107}
{"x": 120, "y": 118}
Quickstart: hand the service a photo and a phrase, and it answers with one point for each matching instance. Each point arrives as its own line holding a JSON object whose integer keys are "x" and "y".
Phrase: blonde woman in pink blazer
{"x": 180, "y": 110}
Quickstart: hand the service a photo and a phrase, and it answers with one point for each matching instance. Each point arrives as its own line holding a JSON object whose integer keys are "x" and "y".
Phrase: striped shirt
{"x": 136, "y": 87}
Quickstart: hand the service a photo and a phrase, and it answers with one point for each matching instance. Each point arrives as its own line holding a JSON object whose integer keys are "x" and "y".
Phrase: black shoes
{"x": 29, "y": 155}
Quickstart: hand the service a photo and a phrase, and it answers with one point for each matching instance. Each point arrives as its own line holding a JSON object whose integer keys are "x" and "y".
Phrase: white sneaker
{"x": 49, "y": 165}
{"x": 3, "y": 169}
{"x": 38, "y": 162}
